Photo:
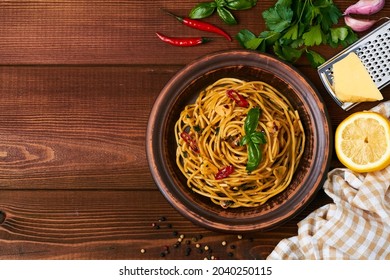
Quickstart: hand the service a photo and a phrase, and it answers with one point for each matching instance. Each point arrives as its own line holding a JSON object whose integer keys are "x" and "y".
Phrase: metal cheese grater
{"x": 374, "y": 52}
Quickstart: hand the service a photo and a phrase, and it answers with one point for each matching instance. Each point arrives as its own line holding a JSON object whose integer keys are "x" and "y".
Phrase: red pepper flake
{"x": 224, "y": 172}
{"x": 190, "y": 141}
{"x": 238, "y": 98}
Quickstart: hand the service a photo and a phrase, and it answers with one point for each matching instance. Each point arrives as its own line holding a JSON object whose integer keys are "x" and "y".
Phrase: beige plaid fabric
{"x": 355, "y": 226}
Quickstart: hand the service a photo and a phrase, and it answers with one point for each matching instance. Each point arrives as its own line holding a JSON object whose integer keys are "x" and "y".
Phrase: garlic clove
{"x": 359, "y": 25}
{"x": 365, "y": 7}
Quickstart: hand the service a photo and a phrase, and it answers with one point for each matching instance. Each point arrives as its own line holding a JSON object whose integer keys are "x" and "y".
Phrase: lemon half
{"x": 362, "y": 142}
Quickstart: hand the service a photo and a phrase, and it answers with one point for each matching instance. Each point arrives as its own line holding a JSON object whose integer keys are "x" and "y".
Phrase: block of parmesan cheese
{"x": 352, "y": 82}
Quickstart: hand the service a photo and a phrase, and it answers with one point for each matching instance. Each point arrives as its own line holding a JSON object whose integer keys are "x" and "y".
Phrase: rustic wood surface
{"x": 77, "y": 82}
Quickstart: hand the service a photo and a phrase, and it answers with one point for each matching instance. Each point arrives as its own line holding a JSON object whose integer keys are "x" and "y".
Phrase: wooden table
{"x": 77, "y": 82}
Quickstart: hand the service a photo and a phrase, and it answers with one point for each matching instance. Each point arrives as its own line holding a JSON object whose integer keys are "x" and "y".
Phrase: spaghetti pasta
{"x": 212, "y": 155}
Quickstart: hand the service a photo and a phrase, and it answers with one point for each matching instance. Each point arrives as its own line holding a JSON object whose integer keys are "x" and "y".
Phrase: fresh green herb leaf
{"x": 270, "y": 37}
{"x": 278, "y": 18}
{"x": 329, "y": 14}
{"x": 297, "y": 26}
{"x": 258, "y": 137}
{"x": 206, "y": 9}
{"x": 291, "y": 32}
{"x": 203, "y": 10}
{"x": 254, "y": 156}
{"x": 350, "y": 39}
{"x": 255, "y": 43}
{"x": 220, "y": 3}
{"x": 244, "y": 140}
{"x": 248, "y": 39}
{"x": 245, "y": 35}
{"x": 314, "y": 36}
{"x": 253, "y": 139}
{"x": 337, "y": 35}
{"x": 240, "y": 4}
{"x": 226, "y": 15}
{"x": 297, "y": 44}
{"x": 251, "y": 121}
{"x": 315, "y": 58}
{"x": 287, "y": 53}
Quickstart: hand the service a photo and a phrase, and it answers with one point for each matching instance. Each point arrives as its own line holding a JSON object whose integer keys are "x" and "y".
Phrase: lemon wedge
{"x": 362, "y": 142}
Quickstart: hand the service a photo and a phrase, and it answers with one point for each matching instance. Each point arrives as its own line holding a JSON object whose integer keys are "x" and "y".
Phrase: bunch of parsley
{"x": 295, "y": 26}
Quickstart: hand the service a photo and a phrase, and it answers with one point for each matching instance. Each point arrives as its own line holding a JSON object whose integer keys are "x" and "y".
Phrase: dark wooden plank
{"x": 76, "y": 127}
{"x": 116, "y": 225}
{"x": 112, "y": 32}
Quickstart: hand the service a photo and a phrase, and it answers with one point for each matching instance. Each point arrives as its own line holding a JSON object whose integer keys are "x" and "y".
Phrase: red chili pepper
{"x": 191, "y": 142}
{"x": 183, "y": 41}
{"x": 224, "y": 172}
{"x": 201, "y": 25}
{"x": 238, "y": 98}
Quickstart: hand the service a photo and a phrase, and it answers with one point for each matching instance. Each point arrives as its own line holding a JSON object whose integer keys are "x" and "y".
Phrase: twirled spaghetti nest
{"x": 210, "y": 152}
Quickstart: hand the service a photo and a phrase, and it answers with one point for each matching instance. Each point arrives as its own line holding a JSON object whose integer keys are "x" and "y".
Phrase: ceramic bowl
{"x": 184, "y": 88}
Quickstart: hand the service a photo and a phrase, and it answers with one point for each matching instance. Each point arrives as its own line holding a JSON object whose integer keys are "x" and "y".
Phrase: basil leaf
{"x": 202, "y": 10}
{"x": 258, "y": 137}
{"x": 254, "y": 156}
{"x": 226, "y": 16}
{"x": 244, "y": 140}
{"x": 220, "y": 3}
{"x": 240, "y": 4}
{"x": 253, "y": 139}
{"x": 251, "y": 121}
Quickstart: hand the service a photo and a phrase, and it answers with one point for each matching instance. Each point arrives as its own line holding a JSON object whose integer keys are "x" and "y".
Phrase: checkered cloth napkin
{"x": 355, "y": 226}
